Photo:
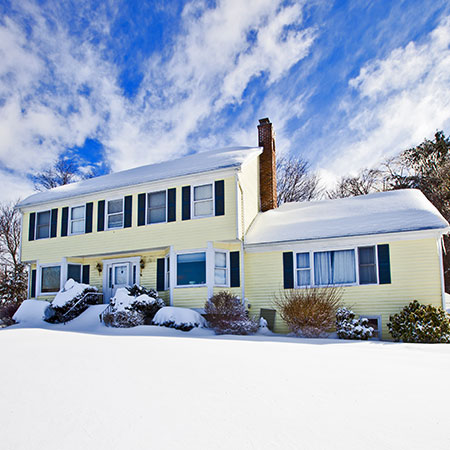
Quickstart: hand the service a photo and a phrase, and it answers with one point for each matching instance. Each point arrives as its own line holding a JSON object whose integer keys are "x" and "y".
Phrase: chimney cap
{"x": 264, "y": 121}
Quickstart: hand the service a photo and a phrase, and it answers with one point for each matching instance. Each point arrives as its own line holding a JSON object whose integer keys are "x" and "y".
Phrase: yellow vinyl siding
{"x": 193, "y": 297}
{"x": 415, "y": 273}
{"x": 182, "y": 234}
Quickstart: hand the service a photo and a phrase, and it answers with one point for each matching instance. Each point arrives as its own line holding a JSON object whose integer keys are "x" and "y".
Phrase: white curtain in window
{"x": 344, "y": 267}
{"x": 323, "y": 273}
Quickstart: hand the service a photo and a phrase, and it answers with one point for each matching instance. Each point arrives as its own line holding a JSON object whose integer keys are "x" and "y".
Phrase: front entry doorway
{"x": 118, "y": 274}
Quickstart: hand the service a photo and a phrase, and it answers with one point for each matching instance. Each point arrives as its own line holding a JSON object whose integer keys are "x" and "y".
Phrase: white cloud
{"x": 400, "y": 100}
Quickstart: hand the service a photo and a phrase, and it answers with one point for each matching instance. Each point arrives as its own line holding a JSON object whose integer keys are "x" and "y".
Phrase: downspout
{"x": 440, "y": 243}
{"x": 242, "y": 273}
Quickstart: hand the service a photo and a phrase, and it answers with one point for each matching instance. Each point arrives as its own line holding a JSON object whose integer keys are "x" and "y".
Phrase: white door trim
{"x": 107, "y": 263}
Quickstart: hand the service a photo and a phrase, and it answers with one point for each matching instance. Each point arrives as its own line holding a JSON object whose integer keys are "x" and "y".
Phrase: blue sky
{"x": 119, "y": 84}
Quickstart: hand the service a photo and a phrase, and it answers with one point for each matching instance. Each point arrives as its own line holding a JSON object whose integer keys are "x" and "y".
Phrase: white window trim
{"x": 227, "y": 268}
{"x": 36, "y": 238}
{"x": 193, "y": 216}
{"x": 311, "y": 263}
{"x": 147, "y": 208}
{"x": 77, "y": 220}
{"x": 207, "y": 264}
{"x": 378, "y": 319}
{"x": 39, "y": 292}
{"x": 107, "y": 215}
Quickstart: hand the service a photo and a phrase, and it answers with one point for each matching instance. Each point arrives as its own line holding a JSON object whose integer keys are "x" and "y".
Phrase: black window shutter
{"x": 101, "y": 216}
{"x": 33, "y": 284}
{"x": 288, "y": 270}
{"x": 128, "y": 210}
{"x": 186, "y": 203}
{"x": 234, "y": 270}
{"x": 141, "y": 209}
{"x": 160, "y": 274}
{"x": 32, "y": 226}
{"x": 384, "y": 264}
{"x": 85, "y": 274}
{"x": 88, "y": 220}
{"x": 64, "y": 221}
{"x": 219, "y": 194}
{"x": 171, "y": 205}
{"x": 54, "y": 222}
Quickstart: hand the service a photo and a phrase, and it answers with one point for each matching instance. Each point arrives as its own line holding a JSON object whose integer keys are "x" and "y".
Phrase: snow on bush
{"x": 133, "y": 306}
{"x": 420, "y": 323}
{"x": 32, "y": 311}
{"x": 309, "y": 312}
{"x": 183, "y": 319}
{"x": 226, "y": 314}
{"x": 71, "y": 301}
{"x": 348, "y": 327}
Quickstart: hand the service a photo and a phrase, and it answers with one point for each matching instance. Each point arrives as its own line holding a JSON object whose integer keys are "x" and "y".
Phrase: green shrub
{"x": 420, "y": 323}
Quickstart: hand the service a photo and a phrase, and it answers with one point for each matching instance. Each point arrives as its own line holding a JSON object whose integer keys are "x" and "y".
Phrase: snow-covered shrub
{"x": 133, "y": 306}
{"x": 226, "y": 314}
{"x": 67, "y": 305}
{"x": 33, "y": 311}
{"x": 183, "y": 319}
{"x": 309, "y": 312}
{"x": 420, "y": 323}
{"x": 348, "y": 327}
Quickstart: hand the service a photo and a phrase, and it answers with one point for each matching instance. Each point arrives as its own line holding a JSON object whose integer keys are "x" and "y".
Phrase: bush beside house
{"x": 420, "y": 323}
{"x": 348, "y": 327}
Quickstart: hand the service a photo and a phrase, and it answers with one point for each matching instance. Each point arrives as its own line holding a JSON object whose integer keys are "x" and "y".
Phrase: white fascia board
{"x": 148, "y": 186}
{"x": 344, "y": 242}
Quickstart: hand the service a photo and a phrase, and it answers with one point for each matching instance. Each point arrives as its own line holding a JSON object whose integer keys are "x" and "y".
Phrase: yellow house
{"x": 208, "y": 222}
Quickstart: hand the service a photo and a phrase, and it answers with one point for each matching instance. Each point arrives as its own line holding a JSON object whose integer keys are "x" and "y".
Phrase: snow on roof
{"x": 384, "y": 212}
{"x": 187, "y": 165}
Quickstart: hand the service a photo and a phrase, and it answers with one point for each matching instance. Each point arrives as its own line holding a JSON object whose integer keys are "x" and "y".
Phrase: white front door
{"x": 118, "y": 277}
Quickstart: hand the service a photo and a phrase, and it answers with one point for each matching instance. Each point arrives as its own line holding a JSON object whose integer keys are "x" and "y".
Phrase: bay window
{"x": 191, "y": 269}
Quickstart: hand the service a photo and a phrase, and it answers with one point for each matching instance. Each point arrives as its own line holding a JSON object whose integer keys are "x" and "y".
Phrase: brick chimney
{"x": 267, "y": 165}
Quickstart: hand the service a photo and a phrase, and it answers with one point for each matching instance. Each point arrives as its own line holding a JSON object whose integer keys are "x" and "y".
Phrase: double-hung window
{"x": 43, "y": 225}
{"x": 115, "y": 213}
{"x": 203, "y": 204}
{"x": 50, "y": 279}
{"x": 334, "y": 267}
{"x": 303, "y": 269}
{"x": 74, "y": 272}
{"x": 191, "y": 269}
{"x": 157, "y": 207}
{"x": 77, "y": 219}
{"x": 220, "y": 269}
{"x": 367, "y": 265}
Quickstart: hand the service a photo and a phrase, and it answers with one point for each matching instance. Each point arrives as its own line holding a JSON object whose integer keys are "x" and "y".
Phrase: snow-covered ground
{"x": 159, "y": 388}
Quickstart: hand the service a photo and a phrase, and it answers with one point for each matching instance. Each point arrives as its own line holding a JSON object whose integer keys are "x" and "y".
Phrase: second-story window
{"x": 156, "y": 211}
{"x": 77, "y": 218}
{"x": 43, "y": 225}
{"x": 115, "y": 213}
{"x": 203, "y": 200}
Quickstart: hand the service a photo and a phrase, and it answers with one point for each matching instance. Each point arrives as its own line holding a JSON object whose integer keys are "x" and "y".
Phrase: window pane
{"x": 77, "y": 227}
{"x": 203, "y": 192}
{"x": 43, "y": 231}
{"x": 203, "y": 208}
{"x": 221, "y": 259}
{"x": 115, "y": 221}
{"x": 78, "y": 212}
{"x": 191, "y": 268}
{"x": 343, "y": 265}
{"x": 157, "y": 199}
{"x": 367, "y": 274}
{"x": 366, "y": 255}
{"x": 302, "y": 260}
{"x": 303, "y": 277}
{"x": 115, "y": 206}
{"x": 50, "y": 281}
{"x": 43, "y": 218}
{"x": 157, "y": 215}
{"x": 121, "y": 274}
{"x": 322, "y": 268}
{"x": 74, "y": 272}
{"x": 220, "y": 276}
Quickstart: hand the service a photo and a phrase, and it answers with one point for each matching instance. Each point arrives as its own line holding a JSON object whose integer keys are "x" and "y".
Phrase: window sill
{"x": 189, "y": 286}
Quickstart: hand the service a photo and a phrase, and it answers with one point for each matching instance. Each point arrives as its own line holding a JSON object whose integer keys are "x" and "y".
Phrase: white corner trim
{"x": 172, "y": 269}
{"x": 440, "y": 244}
{"x": 210, "y": 258}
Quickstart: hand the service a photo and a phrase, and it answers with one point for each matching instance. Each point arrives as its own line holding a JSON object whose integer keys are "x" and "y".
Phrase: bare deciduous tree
{"x": 295, "y": 181}
{"x": 366, "y": 182}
